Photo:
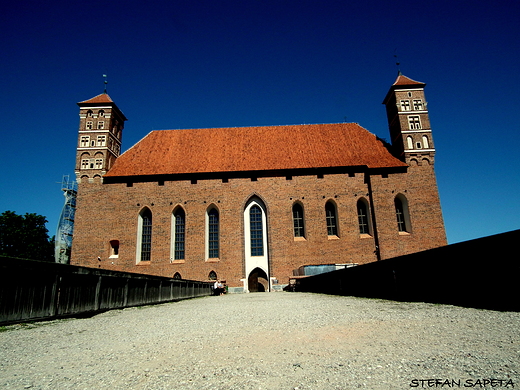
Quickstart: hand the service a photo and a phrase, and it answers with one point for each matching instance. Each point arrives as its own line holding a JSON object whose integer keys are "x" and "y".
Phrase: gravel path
{"x": 267, "y": 341}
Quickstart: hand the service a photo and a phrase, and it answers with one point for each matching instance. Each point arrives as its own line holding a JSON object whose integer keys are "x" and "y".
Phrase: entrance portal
{"x": 257, "y": 281}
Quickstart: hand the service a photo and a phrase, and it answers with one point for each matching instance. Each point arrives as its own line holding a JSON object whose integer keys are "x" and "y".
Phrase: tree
{"x": 25, "y": 237}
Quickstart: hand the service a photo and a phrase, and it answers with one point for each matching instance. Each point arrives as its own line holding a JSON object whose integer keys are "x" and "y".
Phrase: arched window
{"x": 213, "y": 233}
{"x": 363, "y": 216}
{"x": 256, "y": 230}
{"x": 409, "y": 141}
{"x": 145, "y": 235}
{"x": 331, "y": 218}
{"x": 425, "y": 142}
{"x": 179, "y": 234}
{"x": 177, "y": 276}
{"x": 401, "y": 212}
{"x": 212, "y": 275}
{"x": 298, "y": 224}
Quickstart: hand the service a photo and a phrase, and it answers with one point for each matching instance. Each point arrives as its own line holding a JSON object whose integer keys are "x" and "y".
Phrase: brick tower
{"x": 409, "y": 122}
{"x": 99, "y": 142}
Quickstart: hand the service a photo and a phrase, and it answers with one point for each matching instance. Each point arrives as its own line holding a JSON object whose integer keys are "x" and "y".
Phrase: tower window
{"x": 418, "y": 104}
{"x": 89, "y": 125}
{"x": 331, "y": 218}
{"x": 101, "y": 140}
{"x": 179, "y": 234}
{"x": 101, "y": 125}
{"x": 297, "y": 211}
{"x": 89, "y": 113}
{"x": 409, "y": 141}
{"x": 414, "y": 122}
{"x": 85, "y": 140}
{"x": 256, "y": 229}
{"x": 405, "y": 105}
{"x": 85, "y": 163}
{"x": 101, "y": 113}
{"x": 99, "y": 163}
{"x": 425, "y": 142}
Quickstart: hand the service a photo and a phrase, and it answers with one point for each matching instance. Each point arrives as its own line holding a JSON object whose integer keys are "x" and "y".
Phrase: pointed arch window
{"x": 331, "y": 218}
{"x": 298, "y": 222}
{"x": 212, "y": 275}
{"x": 179, "y": 234}
{"x": 402, "y": 214}
{"x": 213, "y": 233}
{"x": 145, "y": 235}
{"x": 363, "y": 217}
{"x": 256, "y": 231}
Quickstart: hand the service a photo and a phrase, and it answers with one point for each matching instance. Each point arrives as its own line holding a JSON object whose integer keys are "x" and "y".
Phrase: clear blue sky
{"x": 195, "y": 64}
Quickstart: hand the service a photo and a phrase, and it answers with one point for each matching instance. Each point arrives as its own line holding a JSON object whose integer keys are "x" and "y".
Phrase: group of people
{"x": 219, "y": 288}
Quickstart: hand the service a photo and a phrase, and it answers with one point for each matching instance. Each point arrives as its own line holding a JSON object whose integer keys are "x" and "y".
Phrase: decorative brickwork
{"x": 110, "y": 210}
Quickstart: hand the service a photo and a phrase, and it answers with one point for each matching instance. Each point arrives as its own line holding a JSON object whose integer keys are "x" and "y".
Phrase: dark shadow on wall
{"x": 482, "y": 273}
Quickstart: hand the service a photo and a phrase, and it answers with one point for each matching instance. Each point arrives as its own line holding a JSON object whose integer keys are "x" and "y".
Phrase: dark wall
{"x": 32, "y": 290}
{"x": 483, "y": 273}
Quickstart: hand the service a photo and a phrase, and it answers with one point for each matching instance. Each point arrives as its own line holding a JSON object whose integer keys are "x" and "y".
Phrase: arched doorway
{"x": 257, "y": 281}
{"x": 256, "y": 246}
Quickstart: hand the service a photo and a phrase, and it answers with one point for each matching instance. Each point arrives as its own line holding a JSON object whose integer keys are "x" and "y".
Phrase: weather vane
{"x": 397, "y": 62}
{"x": 106, "y": 82}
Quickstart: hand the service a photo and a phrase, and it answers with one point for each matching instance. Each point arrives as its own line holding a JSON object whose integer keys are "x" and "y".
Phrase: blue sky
{"x": 196, "y": 64}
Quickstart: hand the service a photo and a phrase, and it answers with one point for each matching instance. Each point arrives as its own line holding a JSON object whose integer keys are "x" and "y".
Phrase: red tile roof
{"x": 403, "y": 80}
{"x": 102, "y": 98}
{"x": 166, "y": 152}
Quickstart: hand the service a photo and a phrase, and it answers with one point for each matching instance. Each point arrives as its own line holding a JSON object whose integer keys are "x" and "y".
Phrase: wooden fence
{"x": 34, "y": 290}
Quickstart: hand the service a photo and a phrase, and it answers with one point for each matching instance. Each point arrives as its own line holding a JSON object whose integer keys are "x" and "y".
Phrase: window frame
{"x": 212, "y": 233}
{"x": 402, "y": 214}
{"x": 144, "y": 236}
{"x": 331, "y": 219}
{"x": 298, "y": 221}
{"x": 364, "y": 217}
{"x": 256, "y": 231}
{"x": 178, "y": 246}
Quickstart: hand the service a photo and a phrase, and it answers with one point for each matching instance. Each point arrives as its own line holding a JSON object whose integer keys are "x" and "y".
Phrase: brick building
{"x": 250, "y": 205}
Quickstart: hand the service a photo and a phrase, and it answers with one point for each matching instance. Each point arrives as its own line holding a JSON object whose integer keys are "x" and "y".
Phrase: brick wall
{"x": 108, "y": 212}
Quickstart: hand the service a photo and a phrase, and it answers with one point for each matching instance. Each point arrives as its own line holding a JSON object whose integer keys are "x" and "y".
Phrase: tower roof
{"x": 403, "y": 82}
{"x": 267, "y": 148}
{"x": 101, "y": 99}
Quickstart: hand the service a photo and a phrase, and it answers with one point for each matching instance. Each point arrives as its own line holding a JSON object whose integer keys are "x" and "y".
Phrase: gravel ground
{"x": 267, "y": 341}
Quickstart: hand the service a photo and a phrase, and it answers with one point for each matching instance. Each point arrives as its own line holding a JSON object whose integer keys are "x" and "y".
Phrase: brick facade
{"x": 107, "y": 230}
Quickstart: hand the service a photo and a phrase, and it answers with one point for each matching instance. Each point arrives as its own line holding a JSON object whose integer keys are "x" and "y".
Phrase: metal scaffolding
{"x": 63, "y": 240}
